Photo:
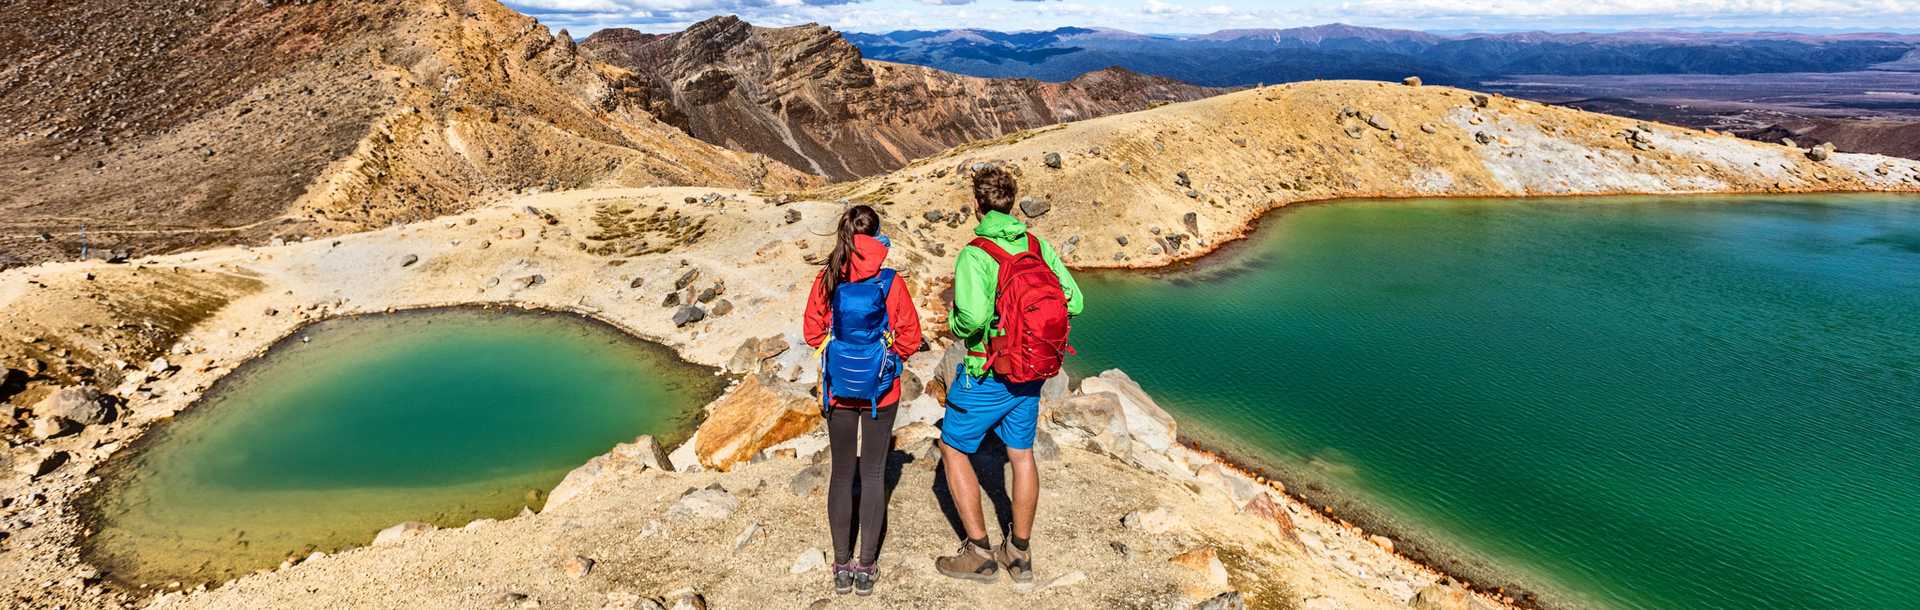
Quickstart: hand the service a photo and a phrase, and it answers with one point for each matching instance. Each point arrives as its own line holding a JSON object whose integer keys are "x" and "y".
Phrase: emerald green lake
{"x": 1635, "y": 402}
{"x": 356, "y": 424}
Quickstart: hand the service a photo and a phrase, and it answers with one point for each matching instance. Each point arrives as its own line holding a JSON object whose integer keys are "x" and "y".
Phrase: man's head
{"x": 993, "y": 191}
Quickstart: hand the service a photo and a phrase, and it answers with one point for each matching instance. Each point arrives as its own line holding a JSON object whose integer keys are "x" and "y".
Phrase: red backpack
{"x": 1031, "y": 309}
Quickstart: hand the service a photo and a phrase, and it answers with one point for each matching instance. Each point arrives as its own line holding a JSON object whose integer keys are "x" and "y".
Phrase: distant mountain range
{"x": 1336, "y": 51}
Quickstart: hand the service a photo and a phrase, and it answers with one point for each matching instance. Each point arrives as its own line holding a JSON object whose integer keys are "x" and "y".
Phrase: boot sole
{"x": 1020, "y": 577}
{"x": 975, "y": 577}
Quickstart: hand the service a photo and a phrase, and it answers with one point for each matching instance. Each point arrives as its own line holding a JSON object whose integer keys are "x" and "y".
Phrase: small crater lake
{"x": 442, "y": 415}
{"x": 1636, "y": 402}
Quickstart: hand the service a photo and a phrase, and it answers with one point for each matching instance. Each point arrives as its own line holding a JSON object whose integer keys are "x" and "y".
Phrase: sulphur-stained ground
{"x": 704, "y": 271}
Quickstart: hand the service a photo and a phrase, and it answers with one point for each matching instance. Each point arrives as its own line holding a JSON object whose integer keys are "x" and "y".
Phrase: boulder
{"x": 1237, "y": 486}
{"x": 1101, "y": 417}
{"x": 52, "y": 426}
{"x": 642, "y": 454}
{"x": 402, "y": 531}
{"x": 39, "y": 464}
{"x": 1146, "y": 422}
{"x": 752, "y": 355}
{"x": 1441, "y": 596}
{"x": 1044, "y": 449}
{"x": 809, "y": 560}
{"x": 1034, "y": 207}
{"x": 1052, "y": 160}
{"x": 1411, "y": 81}
{"x": 688, "y": 314}
{"x": 1821, "y": 152}
{"x": 712, "y": 503}
{"x": 1159, "y": 520}
{"x": 750, "y": 418}
{"x": 1265, "y": 508}
{"x": 83, "y": 405}
{"x": 1233, "y": 600}
{"x": 1205, "y": 562}
{"x": 808, "y": 480}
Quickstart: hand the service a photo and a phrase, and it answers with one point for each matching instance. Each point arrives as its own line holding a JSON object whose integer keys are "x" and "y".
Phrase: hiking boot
{"x": 863, "y": 577}
{"x": 970, "y": 563}
{"x": 842, "y": 578}
{"x": 1017, "y": 563}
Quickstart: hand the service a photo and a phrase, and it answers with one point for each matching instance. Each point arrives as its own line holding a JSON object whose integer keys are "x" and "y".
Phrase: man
{"x": 985, "y": 398}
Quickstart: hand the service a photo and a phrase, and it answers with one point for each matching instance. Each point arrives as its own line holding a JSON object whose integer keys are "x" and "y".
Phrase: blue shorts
{"x": 976, "y": 405}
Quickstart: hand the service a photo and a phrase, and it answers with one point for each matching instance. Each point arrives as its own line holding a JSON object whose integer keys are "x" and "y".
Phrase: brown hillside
{"x": 161, "y": 125}
{"x": 803, "y": 95}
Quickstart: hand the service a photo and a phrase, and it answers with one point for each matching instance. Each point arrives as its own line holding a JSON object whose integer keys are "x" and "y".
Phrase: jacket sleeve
{"x": 905, "y": 318}
{"x": 973, "y": 285}
{"x": 1075, "y": 301}
{"x": 818, "y": 318}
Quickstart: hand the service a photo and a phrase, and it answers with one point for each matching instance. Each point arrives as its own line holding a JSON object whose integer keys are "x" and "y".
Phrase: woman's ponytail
{"x": 858, "y": 220}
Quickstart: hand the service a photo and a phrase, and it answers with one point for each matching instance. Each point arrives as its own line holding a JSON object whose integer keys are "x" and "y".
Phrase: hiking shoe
{"x": 969, "y": 563}
{"x": 1017, "y": 563}
{"x": 842, "y": 578}
{"x": 863, "y": 577}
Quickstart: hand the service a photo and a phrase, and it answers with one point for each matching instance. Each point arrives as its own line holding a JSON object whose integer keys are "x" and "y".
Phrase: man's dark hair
{"x": 994, "y": 190}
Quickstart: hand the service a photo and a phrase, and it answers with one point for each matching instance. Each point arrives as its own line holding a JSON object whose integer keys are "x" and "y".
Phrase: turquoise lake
{"x": 1637, "y": 402}
{"x": 442, "y": 416}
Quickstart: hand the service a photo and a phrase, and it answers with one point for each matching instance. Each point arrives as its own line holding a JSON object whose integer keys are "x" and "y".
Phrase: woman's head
{"x": 858, "y": 220}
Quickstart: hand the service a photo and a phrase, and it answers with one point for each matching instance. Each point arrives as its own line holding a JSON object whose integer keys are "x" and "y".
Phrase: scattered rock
{"x": 1441, "y": 596}
{"x": 646, "y": 452}
{"x": 722, "y": 308}
{"x": 514, "y": 233}
{"x": 1192, "y": 222}
{"x": 636, "y": 282}
{"x": 40, "y": 464}
{"x": 1053, "y": 160}
{"x": 793, "y": 215}
{"x": 1379, "y": 122}
{"x": 808, "y": 480}
{"x": 809, "y": 560}
{"x": 1264, "y": 507}
{"x": 1428, "y": 128}
{"x": 688, "y": 314}
{"x": 1821, "y": 152}
{"x": 1181, "y": 180}
{"x": 1483, "y": 137}
{"x": 712, "y": 503}
{"x": 746, "y": 536}
{"x": 577, "y": 567}
{"x": 687, "y": 599}
{"x": 1411, "y": 81}
{"x": 1121, "y": 239}
{"x": 402, "y": 531}
{"x": 1206, "y": 562}
{"x": 1354, "y": 131}
{"x": 529, "y": 281}
{"x": 409, "y": 260}
{"x": 1480, "y": 100}
{"x": 1033, "y": 207}
{"x": 934, "y": 216}
{"x": 1385, "y": 543}
{"x": 52, "y": 426}
{"x": 686, "y": 279}
{"x": 1159, "y": 520}
{"x": 1232, "y": 600}
{"x": 83, "y": 405}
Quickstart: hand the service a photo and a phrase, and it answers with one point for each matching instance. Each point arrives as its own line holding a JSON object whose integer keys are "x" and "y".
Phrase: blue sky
{"x": 1196, "y": 16}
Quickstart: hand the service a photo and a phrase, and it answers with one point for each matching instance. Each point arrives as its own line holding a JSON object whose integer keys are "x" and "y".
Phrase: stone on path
{"x": 1034, "y": 207}
{"x": 809, "y": 560}
{"x": 409, "y": 260}
{"x": 529, "y": 281}
{"x": 1053, "y": 160}
{"x": 711, "y": 503}
{"x": 688, "y": 314}
{"x": 1480, "y": 100}
{"x": 577, "y": 567}
{"x": 401, "y": 532}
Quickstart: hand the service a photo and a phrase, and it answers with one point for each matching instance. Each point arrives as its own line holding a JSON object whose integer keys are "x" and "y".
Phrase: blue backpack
{"x": 858, "y": 359}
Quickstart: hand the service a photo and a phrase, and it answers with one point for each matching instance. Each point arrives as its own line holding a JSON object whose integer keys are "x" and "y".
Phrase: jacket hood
{"x": 1000, "y": 225}
{"x": 869, "y": 255}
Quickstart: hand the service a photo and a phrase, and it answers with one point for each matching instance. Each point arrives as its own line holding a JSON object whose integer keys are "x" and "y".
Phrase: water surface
{"x": 1660, "y": 403}
{"x": 441, "y": 416}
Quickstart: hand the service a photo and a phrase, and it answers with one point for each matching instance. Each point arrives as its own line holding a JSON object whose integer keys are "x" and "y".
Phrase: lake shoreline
{"x": 113, "y": 471}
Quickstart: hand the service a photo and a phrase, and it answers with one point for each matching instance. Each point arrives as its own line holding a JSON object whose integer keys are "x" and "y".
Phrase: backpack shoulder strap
{"x": 994, "y": 250}
{"x": 885, "y": 279}
{"x": 1033, "y": 245}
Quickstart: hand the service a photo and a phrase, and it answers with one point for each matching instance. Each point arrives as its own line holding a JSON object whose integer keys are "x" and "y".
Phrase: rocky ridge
{"x": 803, "y": 95}
{"x": 172, "y": 125}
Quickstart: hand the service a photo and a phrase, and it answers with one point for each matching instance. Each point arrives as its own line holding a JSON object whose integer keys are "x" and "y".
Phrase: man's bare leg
{"x": 973, "y": 561}
{"x": 965, "y": 487}
{"x": 1026, "y": 491}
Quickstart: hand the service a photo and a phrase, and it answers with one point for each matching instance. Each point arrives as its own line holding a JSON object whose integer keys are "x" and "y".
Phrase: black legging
{"x": 876, "y": 438}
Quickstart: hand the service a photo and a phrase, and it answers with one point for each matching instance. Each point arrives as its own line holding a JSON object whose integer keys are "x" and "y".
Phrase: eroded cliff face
{"x": 805, "y": 96}
{"x": 157, "y": 126}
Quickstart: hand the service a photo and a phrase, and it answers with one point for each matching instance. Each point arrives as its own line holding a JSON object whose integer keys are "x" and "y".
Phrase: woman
{"x": 861, "y": 319}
